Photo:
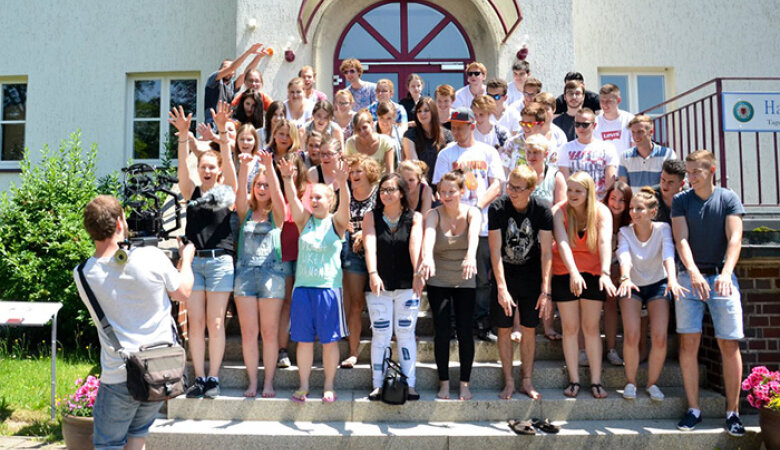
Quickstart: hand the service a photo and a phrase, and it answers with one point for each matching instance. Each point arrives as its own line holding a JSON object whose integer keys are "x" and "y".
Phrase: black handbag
{"x": 395, "y": 388}
{"x": 155, "y": 372}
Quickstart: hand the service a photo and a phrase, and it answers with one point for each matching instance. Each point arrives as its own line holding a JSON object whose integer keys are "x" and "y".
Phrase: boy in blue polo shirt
{"x": 642, "y": 165}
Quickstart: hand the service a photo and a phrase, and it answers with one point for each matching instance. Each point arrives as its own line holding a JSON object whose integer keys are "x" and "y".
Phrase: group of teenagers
{"x": 500, "y": 200}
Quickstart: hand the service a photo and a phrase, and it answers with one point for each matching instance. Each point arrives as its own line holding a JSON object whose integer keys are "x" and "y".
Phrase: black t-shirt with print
{"x": 566, "y": 123}
{"x": 520, "y": 248}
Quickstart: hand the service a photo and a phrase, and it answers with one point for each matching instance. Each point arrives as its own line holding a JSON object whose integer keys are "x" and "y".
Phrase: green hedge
{"x": 42, "y": 237}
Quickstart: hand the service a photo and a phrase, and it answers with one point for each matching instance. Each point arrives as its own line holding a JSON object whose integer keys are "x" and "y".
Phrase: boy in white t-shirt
{"x": 588, "y": 154}
{"x": 612, "y": 122}
{"x": 476, "y": 72}
{"x": 485, "y": 131}
{"x": 505, "y": 114}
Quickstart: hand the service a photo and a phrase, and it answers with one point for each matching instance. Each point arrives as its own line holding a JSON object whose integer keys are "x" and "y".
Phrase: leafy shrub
{"x": 42, "y": 237}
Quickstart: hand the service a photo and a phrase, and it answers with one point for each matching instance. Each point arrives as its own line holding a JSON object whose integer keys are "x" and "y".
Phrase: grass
{"x": 25, "y": 387}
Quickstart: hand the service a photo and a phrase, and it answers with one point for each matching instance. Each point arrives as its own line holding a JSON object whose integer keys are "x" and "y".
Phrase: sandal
{"x": 572, "y": 390}
{"x": 299, "y": 396}
{"x": 375, "y": 395}
{"x": 349, "y": 363}
{"x": 545, "y": 425}
{"x": 598, "y": 390}
{"x": 521, "y": 427}
{"x": 328, "y": 397}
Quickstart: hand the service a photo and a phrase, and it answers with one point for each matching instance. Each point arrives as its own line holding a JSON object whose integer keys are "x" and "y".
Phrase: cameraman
{"x": 134, "y": 297}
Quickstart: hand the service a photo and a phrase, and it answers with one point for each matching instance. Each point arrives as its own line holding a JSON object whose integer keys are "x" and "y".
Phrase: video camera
{"x": 142, "y": 185}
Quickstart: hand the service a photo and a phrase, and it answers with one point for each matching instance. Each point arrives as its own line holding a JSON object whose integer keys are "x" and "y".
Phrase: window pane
{"x": 621, "y": 81}
{"x": 433, "y": 80}
{"x": 185, "y": 93}
{"x": 14, "y": 101}
{"x": 147, "y": 98}
{"x": 650, "y": 90}
{"x": 449, "y": 43}
{"x": 374, "y": 77}
{"x": 361, "y": 45}
{"x": 387, "y": 21}
{"x": 421, "y": 20}
{"x": 13, "y": 142}
{"x": 146, "y": 140}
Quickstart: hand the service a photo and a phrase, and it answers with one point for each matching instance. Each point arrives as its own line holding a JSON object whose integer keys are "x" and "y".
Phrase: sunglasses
{"x": 517, "y": 189}
{"x": 496, "y": 97}
{"x": 474, "y": 74}
{"x": 529, "y": 125}
{"x": 582, "y": 124}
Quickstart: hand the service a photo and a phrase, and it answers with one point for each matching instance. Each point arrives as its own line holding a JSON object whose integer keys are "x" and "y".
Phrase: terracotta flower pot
{"x": 769, "y": 421}
{"x": 77, "y": 432}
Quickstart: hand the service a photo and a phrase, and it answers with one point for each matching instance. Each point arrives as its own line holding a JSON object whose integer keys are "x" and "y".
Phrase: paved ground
{"x": 26, "y": 442}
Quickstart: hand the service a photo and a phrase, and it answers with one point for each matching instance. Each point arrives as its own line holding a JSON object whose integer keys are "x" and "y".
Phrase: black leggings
{"x": 441, "y": 300}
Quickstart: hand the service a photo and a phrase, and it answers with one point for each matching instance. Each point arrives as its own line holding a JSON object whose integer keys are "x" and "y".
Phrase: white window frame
{"x": 4, "y": 163}
{"x": 632, "y": 73}
{"x": 165, "y": 79}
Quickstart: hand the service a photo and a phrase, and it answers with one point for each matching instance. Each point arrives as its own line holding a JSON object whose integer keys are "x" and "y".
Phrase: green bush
{"x": 42, "y": 237}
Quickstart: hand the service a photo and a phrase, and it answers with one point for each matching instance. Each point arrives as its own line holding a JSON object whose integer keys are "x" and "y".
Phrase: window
{"x": 639, "y": 88}
{"x": 13, "y": 119}
{"x": 150, "y": 98}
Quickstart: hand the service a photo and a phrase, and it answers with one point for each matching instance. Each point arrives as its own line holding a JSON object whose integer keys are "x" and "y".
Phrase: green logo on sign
{"x": 743, "y": 111}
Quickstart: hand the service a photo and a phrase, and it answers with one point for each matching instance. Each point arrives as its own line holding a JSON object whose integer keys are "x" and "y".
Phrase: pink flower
{"x": 761, "y": 370}
{"x": 746, "y": 385}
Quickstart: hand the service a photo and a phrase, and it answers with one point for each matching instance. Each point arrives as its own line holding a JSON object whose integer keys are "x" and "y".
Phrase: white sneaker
{"x": 583, "y": 358}
{"x": 614, "y": 358}
{"x": 655, "y": 394}
{"x": 629, "y": 392}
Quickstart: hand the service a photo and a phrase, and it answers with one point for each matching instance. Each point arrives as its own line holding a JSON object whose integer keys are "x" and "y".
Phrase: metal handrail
{"x": 714, "y": 80}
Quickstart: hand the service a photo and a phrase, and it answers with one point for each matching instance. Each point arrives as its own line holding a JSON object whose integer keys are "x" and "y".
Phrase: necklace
{"x": 392, "y": 223}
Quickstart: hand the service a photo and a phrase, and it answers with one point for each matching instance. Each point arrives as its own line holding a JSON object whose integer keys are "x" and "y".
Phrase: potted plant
{"x": 764, "y": 393}
{"x": 76, "y": 412}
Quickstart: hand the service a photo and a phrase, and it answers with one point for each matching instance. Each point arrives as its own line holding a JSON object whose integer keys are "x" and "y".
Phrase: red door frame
{"x": 405, "y": 55}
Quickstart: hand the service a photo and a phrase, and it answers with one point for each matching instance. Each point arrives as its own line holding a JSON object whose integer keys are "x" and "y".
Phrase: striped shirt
{"x": 640, "y": 171}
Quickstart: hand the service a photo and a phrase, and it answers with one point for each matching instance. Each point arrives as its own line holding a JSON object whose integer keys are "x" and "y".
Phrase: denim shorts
{"x": 266, "y": 281}
{"x": 651, "y": 292}
{"x": 118, "y": 417}
{"x": 726, "y": 312}
{"x": 213, "y": 274}
{"x": 351, "y": 261}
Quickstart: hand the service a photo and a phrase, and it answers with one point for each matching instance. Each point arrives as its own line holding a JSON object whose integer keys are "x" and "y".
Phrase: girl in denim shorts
{"x": 208, "y": 228}
{"x": 260, "y": 271}
{"x": 647, "y": 276}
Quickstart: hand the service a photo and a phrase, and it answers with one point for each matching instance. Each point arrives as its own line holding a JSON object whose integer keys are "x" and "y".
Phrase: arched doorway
{"x": 396, "y": 38}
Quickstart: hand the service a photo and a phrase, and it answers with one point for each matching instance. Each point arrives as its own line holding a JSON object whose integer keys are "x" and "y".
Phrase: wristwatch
{"x": 624, "y": 278}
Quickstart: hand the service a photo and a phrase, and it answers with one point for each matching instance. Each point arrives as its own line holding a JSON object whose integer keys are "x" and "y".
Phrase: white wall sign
{"x": 751, "y": 111}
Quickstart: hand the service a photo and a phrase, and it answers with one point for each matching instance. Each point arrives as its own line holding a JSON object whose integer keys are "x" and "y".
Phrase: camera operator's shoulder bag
{"x": 395, "y": 388}
{"x": 155, "y": 372}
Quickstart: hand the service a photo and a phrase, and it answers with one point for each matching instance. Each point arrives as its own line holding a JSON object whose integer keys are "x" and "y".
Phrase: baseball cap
{"x": 465, "y": 115}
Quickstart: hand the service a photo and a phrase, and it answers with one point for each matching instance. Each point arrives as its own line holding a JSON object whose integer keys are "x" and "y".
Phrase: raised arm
{"x": 278, "y": 204}
{"x": 242, "y": 197}
{"x": 177, "y": 118}
{"x": 341, "y": 217}
{"x": 604, "y": 217}
{"x": 222, "y": 73}
{"x": 250, "y": 67}
{"x": 299, "y": 214}
{"x": 221, "y": 116}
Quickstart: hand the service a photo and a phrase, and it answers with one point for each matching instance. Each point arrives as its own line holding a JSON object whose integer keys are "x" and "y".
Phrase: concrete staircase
{"x": 232, "y": 421}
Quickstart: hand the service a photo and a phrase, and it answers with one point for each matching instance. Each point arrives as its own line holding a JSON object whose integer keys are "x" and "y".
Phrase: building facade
{"x": 113, "y": 70}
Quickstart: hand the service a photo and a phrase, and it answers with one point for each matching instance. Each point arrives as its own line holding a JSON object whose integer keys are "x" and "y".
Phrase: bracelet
{"x": 372, "y": 272}
{"x": 606, "y": 272}
{"x": 624, "y": 278}
{"x": 547, "y": 294}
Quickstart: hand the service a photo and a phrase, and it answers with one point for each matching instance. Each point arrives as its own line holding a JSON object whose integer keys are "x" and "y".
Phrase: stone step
{"x": 484, "y": 375}
{"x": 173, "y": 434}
{"x": 483, "y": 351}
{"x": 354, "y": 406}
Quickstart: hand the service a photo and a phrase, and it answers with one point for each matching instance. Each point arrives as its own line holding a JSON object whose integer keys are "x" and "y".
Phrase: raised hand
{"x": 267, "y": 159}
{"x": 177, "y": 118}
{"x": 341, "y": 173}
{"x": 205, "y": 131}
{"x": 287, "y": 168}
{"x": 222, "y": 115}
{"x": 245, "y": 158}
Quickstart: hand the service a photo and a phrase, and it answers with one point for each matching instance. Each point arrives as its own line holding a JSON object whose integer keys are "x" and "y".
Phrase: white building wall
{"x": 76, "y": 55}
{"x": 698, "y": 39}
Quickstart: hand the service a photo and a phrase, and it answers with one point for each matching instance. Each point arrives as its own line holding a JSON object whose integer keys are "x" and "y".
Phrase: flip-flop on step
{"x": 521, "y": 427}
{"x": 545, "y": 425}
